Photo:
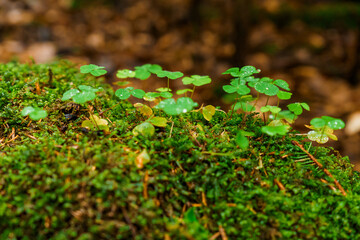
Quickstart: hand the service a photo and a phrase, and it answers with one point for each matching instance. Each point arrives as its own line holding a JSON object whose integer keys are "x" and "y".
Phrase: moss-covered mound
{"x": 189, "y": 180}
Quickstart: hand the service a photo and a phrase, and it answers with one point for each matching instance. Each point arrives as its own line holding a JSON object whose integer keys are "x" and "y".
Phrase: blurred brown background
{"x": 312, "y": 44}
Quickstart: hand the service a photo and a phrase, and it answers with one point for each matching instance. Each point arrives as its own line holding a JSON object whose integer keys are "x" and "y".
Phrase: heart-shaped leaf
{"x": 34, "y": 113}
{"x": 275, "y": 130}
{"x": 283, "y": 84}
{"x": 208, "y": 112}
{"x": 93, "y": 70}
{"x": 284, "y": 95}
{"x": 138, "y": 93}
{"x": 267, "y": 88}
{"x": 125, "y": 73}
{"x": 158, "y": 121}
{"x": 172, "y": 107}
{"x": 123, "y": 93}
{"x": 146, "y": 129}
{"x": 170, "y": 75}
{"x": 196, "y": 80}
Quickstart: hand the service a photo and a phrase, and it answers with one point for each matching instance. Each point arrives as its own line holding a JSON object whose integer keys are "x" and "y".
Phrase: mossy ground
{"x": 58, "y": 181}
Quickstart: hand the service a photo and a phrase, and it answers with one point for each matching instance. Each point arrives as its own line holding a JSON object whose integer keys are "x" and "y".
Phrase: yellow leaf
{"x": 144, "y": 109}
{"x": 208, "y": 112}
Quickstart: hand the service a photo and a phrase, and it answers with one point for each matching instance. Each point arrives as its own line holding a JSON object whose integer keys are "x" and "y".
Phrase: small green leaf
{"x": 272, "y": 109}
{"x": 229, "y": 88}
{"x": 138, "y": 93}
{"x": 196, "y": 80}
{"x": 318, "y": 136}
{"x": 93, "y": 70}
{"x": 142, "y": 74}
{"x": 241, "y": 139}
{"x": 69, "y": 94}
{"x": 84, "y": 97}
{"x": 170, "y": 75}
{"x": 158, "y": 121}
{"x": 146, "y": 129}
{"x": 318, "y": 122}
{"x": 235, "y": 71}
{"x": 172, "y": 107}
{"x": 163, "y": 89}
{"x": 34, "y": 113}
{"x": 275, "y": 130}
{"x": 123, "y": 93}
{"x": 246, "y": 107}
{"x": 208, "y": 112}
{"x": 305, "y": 106}
{"x": 190, "y": 217}
{"x": 336, "y": 124}
{"x": 283, "y": 84}
{"x": 151, "y": 96}
{"x": 86, "y": 88}
{"x": 284, "y": 95}
{"x": 125, "y": 73}
{"x": 183, "y": 91}
{"x": 166, "y": 94}
{"x": 267, "y": 88}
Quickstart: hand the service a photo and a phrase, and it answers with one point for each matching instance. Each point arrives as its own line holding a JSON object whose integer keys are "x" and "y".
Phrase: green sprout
{"x": 323, "y": 128}
{"x": 146, "y": 129}
{"x": 34, "y": 113}
{"x": 275, "y": 130}
{"x": 81, "y": 95}
{"x": 197, "y": 81}
{"x": 95, "y": 123}
{"x": 144, "y": 72}
{"x": 184, "y": 91}
{"x": 125, "y": 73}
{"x": 241, "y": 139}
{"x": 93, "y": 70}
{"x": 297, "y": 108}
{"x": 172, "y": 107}
{"x": 125, "y": 93}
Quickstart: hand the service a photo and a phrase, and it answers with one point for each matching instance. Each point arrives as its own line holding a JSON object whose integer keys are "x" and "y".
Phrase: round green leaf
{"x": 267, "y": 88}
{"x": 305, "y": 106}
{"x": 158, "y": 121}
{"x": 229, "y": 88}
{"x": 154, "y": 68}
{"x": 275, "y": 130}
{"x": 98, "y": 72}
{"x": 235, "y": 71}
{"x": 84, "y": 97}
{"x": 125, "y": 73}
{"x": 170, "y": 75}
{"x": 284, "y": 95}
{"x": 37, "y": 114}
{"x": 123, "y": 93}
{"x": 88, "y": 68}
{"x": 242, "y": 141}
{"x": 27, "y": 110}
{"x": 166, "y": 94}
{"x": 283, "y": 84}
{"x": 146, "y": 129}
{"x": 138, "y": 93}
{"x": 172, "y": 107}
{"x": 295, "y": 108}
{"x": 69, "y": 94}
{"x": 142, "y": 73}
{"x": 336, "y": 124}
{"x": 318, "y": 122}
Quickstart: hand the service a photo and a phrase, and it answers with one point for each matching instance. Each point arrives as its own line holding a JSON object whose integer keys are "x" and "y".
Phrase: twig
{"x": 279, "y": 184}
{"x": 320, "y": 166}
{"x": 223, "y": 233}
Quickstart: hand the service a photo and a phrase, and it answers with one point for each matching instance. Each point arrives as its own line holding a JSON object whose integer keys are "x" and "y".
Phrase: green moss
{"x": 58, "y": 181}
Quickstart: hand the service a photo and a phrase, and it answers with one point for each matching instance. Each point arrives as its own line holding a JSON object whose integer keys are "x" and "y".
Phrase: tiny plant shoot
{"x": 34, "y": 113}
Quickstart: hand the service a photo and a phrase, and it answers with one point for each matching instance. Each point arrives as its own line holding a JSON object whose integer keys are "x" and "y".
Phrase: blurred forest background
{"x": 312, "y": 44}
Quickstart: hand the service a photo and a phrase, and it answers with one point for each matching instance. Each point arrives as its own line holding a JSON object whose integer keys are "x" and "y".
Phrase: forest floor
{"x": 314, "y": 61}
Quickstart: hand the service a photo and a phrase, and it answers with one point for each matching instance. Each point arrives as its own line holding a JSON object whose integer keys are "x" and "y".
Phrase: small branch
{"x": 280, "y": 185}
{"x": 320, "y": 166}
{"x": 223, "y": 233}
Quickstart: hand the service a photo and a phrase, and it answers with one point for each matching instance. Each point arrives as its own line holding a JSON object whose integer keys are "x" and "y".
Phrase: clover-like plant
{"x": 184, "y": 91}
{"x": 297, "y": 108}
{"x": 144, "y": 72}
{"x": 93, "y": 70}
{"x": 172, "y": 107}
{"x": 196, "y": 81}
{"x": 169, "y": 75}
{"x": 95, "y": 123}
{"x": 125, "y": 93}
{"x": 81, "y": 95}
{"x": 323, "y": 128}
{"x": 34, "y": 113}
{"x": 241, "y": 139}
